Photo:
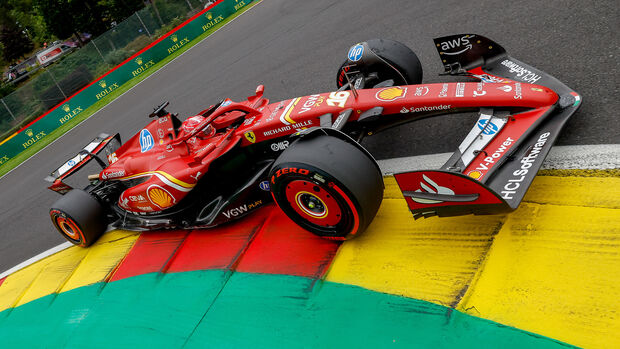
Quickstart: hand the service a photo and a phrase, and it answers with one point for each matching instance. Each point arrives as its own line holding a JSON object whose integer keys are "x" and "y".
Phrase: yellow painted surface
{"x": 575, "y": 191}
{"x": 18, "y": 283}
{"x": 66, "y": 270}
{"x": 56, "y": 272}
{"x": 552, "y": 267}
{"x": 433, "y": 259}
{"x": 101, "y": 259}
{"x": 554, "y": 270}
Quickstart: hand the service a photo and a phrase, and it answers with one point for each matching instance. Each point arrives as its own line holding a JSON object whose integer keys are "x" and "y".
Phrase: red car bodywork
{"x": 174, "y": 164}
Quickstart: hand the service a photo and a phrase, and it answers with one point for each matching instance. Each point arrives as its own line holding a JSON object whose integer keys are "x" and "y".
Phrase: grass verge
{"x": 35, "y": 148}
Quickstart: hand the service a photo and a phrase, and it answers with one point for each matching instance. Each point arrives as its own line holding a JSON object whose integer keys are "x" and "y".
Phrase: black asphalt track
{"x": 294, "y": 47}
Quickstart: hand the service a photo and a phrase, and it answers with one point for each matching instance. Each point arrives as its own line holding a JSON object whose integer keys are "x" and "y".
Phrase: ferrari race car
{"x": 304, "y": 153}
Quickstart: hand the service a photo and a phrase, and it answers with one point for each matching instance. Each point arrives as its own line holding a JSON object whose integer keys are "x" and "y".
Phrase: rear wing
{"x": 494, "y": 166}
{"x": 90, "y": 151}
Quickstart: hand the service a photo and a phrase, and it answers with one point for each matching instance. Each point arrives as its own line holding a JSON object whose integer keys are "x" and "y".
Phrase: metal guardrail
{"x": 95, "y": 61}
{"x": 56, "y": 82}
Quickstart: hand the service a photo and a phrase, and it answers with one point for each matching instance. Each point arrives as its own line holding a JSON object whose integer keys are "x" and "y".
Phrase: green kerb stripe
{"x": 217, "y": 308}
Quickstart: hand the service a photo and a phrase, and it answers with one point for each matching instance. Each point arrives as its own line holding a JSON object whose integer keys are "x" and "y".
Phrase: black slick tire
{"x": 389, "y": 59}
{"x": 79, "y": 217}
{"x": 327, "y": 186}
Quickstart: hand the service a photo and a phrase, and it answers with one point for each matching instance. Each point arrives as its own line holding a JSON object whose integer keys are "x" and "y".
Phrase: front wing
{"x": 490, "y": 172}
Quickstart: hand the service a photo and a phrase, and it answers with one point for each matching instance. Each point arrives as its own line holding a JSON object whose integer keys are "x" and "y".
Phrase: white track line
{"x": 136, "y": 85}
{"x": 585, "y": 157}
{"x": 68, "y": 244}
{"x": 37, "y": 258}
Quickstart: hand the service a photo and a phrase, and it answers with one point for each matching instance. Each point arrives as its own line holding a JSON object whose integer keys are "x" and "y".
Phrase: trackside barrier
{"x": 124, "y": 72}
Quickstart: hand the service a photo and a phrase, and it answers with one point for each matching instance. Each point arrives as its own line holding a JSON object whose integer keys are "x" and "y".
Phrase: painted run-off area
{"x": 550, "y": 268}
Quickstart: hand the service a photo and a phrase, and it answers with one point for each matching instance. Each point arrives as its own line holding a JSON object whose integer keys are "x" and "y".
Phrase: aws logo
{"x": 461, "y": 44}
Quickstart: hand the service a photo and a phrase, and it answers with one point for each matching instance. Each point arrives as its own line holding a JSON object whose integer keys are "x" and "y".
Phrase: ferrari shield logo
{"x": 250, "y": 136}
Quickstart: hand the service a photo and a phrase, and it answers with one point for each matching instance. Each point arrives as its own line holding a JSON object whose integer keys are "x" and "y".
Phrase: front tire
{"x": 389, "y": 59}
{"x": 79, "y": 217}
{"x": 327, "y": 186}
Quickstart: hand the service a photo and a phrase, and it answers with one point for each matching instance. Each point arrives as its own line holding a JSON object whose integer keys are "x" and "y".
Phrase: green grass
{"x": 23, "y": 156}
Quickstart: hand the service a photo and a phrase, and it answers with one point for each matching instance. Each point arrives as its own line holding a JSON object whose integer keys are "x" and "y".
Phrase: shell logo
{"x": 391, "y": 93}
{"x": 160, "y": 197}
{"x": 475, "y": 174}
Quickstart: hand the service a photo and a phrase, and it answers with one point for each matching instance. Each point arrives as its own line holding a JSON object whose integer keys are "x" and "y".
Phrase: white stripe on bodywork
{"x": 161, "y": 178}
{"x": 290, "y": 105}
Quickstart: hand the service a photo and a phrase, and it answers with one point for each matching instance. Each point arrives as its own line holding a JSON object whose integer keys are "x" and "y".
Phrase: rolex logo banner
{"x": 135, "y": 66}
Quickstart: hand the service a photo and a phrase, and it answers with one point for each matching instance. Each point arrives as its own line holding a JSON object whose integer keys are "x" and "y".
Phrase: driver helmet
{"x": 191, "y": 123}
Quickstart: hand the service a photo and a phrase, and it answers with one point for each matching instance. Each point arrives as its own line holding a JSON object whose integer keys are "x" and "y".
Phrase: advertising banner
{"x": 135, "y": 66}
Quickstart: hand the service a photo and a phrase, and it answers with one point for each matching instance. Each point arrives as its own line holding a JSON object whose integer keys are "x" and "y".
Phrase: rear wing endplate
{"x": 88, "y": 153}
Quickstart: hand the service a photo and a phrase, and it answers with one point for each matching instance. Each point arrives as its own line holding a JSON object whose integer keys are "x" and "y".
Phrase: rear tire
{"x": 79, "y": 217}
{"x": 327, "y": 186}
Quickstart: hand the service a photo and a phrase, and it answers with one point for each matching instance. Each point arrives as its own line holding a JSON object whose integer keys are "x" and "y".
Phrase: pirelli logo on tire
{"x": 288, "y": 170}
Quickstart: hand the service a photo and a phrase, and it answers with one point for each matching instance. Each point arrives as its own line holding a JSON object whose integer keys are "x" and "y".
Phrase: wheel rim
{"x": 313, "y": 203}
{"x": 68, "y": 228}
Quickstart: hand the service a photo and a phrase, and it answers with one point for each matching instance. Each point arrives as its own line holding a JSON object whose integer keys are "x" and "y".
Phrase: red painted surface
{"x": 265, "y": 241}
{"x": 282, "y": 247}
{"x": 151, "y": 253}
{"x": 220, "y": 247}
{"x": 2, "y": 280}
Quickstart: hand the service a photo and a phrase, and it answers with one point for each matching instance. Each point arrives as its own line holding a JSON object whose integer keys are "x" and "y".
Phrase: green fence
{"x": 98, "y": 57}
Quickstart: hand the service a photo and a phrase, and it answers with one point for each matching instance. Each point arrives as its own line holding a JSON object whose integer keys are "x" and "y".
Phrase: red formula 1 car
{"x": 304, "y": 152}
